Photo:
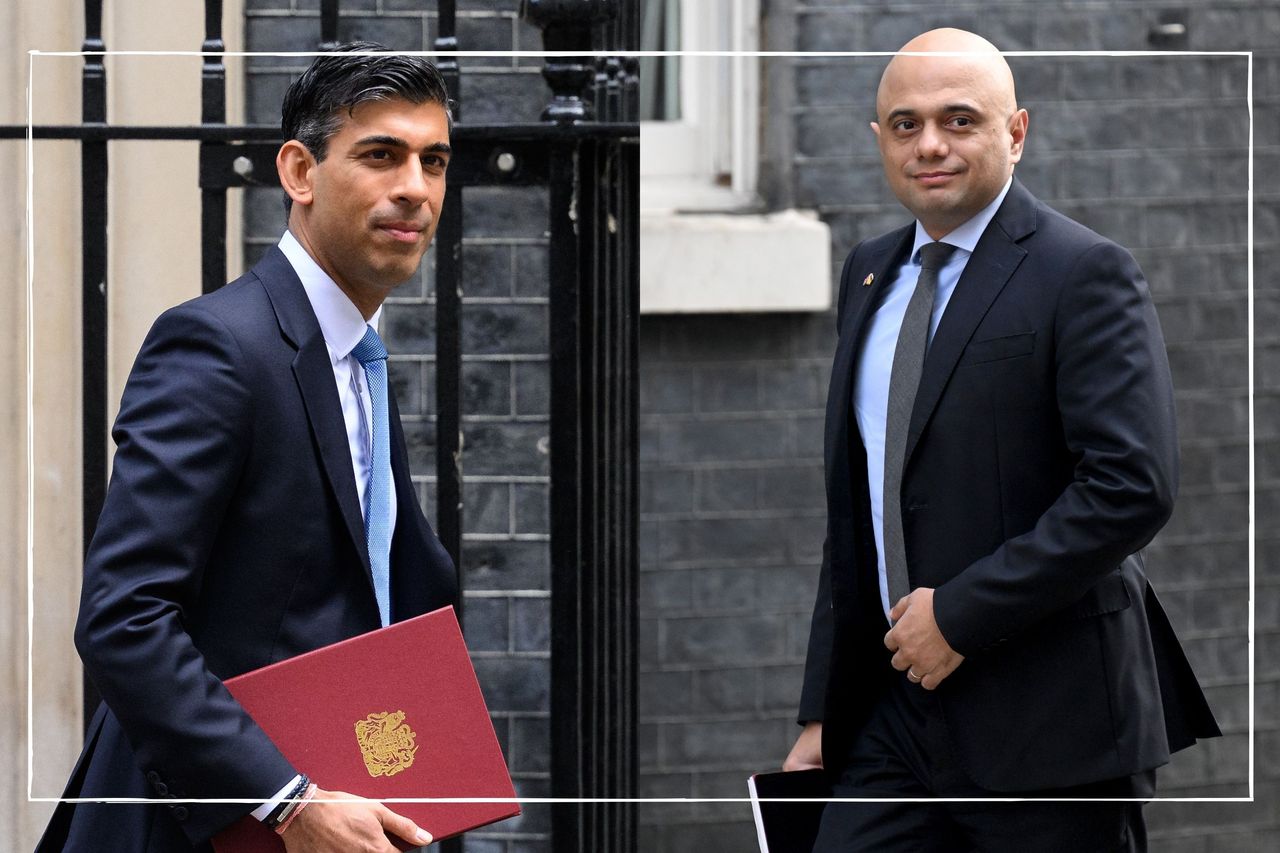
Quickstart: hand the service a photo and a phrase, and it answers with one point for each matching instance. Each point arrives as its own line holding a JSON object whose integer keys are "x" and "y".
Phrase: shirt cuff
{"x": 261, "y": 812}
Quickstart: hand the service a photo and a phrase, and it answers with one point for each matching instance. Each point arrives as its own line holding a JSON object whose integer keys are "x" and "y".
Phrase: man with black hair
{"x": 260, "y": 503}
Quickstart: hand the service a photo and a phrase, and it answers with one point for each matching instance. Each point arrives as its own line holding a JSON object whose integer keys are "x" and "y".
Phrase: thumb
{"x": 403, "y": 827}
{"x": 900, "y": 608}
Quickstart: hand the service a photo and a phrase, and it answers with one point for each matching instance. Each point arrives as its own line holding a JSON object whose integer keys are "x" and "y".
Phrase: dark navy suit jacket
{"x": 1041, "y": 458}
{"x": 231, "y": 538}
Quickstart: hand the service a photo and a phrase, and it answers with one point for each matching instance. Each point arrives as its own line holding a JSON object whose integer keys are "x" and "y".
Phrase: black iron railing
{"x": 586, "y": 152}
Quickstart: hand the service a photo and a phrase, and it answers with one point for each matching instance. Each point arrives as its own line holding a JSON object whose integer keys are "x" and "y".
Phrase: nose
{"x": 931, "y": 143}
{"x": 414, "y": 184}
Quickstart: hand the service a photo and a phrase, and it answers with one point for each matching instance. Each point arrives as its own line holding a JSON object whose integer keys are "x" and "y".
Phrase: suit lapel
{"x": 861, "y": 301}
{"x": 994, "y": 260}
{"x": 314, "y": 374}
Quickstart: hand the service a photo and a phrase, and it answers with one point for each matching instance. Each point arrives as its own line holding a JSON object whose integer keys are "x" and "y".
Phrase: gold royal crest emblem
{"x": 387, "y": 743}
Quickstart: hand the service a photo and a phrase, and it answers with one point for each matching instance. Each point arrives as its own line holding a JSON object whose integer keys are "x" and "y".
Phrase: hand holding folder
{"x": 338, "y": 826}
{"x": 391, "y": 714}
{"x": 788, "y": 827}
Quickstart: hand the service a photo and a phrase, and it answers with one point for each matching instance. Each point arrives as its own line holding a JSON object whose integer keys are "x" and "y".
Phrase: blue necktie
{"x": 377, "y": 495}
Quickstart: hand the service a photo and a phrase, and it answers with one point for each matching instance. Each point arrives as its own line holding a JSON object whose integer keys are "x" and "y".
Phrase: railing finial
{"x": 568, "y": 25}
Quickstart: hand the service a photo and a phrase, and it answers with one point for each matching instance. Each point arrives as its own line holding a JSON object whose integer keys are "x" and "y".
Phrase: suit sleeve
{"x": 817, "y": 665}
{"x": 822, "y": 628}
{"x": 185, "y": 421}
{"x": 1115, "y": 400}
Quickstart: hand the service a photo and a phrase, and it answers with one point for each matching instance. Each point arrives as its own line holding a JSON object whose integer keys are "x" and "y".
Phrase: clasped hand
{"x": 918, "y": 647}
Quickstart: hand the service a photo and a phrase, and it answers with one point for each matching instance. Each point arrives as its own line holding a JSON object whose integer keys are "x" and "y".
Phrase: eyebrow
{"x": 397, "y": 142}
{"x": 959, "y": 107}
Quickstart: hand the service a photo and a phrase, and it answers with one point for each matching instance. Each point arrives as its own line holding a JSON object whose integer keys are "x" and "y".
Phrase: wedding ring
{"x": 913, "y": 678}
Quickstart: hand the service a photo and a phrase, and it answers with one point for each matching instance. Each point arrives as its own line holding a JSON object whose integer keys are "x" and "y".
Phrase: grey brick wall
{"x": 505, "y": 385}
{"x": 1150, "y": 151}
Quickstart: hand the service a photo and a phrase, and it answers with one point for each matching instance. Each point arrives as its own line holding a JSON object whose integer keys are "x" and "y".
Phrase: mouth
{"x": 933, "y": 179}
{"x": 402, "y": 231}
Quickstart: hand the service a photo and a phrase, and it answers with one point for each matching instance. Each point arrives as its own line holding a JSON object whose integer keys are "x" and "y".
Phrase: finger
{"x": 403, "y": 827}
{"x": 900, "y": 661}
{"x": 891, "y": 641}
{"x": 939, "y": 674}
{"x": 895, "y": 613}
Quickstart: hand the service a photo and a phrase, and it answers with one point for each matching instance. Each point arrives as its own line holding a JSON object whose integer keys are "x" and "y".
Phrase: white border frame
{"x": 31, "y": 249}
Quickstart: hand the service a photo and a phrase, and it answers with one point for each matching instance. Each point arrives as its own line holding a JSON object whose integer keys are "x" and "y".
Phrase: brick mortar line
{"x": 695, "y": 565}
{"x": 780, "y": 619}
{"x": 1211, "y": 831}
{"x": 729, "y": 464}
{"x": 1198, "y": 539}
{"x": 1221, "y": 489}
{"x": 693, "y": 615}
{"x": 511, "y": 479}
{"x": 731, "y": 415}
{"x": 1221, "y": 345}
{"x": 475, "y": 357}
{"x": 805, "y": 361}
{"x": 770, "y": 514}
{"x": 782, "y": 715}
{"x": 1215, "y": 585}
{"x": 756, "y": 663}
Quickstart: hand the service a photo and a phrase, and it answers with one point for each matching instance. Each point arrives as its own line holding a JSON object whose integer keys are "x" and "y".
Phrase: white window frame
{"x": 684, "y": 163}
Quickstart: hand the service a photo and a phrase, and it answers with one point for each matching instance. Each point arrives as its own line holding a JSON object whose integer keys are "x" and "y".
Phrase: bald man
{"x": 1000, "y": 446}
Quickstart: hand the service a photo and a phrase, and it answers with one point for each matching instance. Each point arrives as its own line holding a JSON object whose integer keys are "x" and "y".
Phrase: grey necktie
{"x": 908, "y": 363}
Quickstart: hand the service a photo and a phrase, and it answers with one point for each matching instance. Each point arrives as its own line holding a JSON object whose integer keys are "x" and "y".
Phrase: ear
{"x": 1018, "y": 132}
{"x": 294, "y": 164}
{"x": 875, "y": 128}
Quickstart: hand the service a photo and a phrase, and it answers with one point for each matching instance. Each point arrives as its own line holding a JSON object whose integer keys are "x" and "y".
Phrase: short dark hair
{"x": 336, "y": 82}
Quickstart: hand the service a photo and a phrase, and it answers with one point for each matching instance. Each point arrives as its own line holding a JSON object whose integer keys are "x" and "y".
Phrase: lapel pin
{"x": 866, "y": 282}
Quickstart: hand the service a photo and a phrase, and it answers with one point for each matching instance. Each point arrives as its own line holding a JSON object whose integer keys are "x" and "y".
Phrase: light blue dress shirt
{"x": 875, "y": 358}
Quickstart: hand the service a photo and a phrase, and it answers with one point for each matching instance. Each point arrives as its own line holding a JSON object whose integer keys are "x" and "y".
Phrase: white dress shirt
{"x": 343, "y": 326}
{"x": 875, "y": 358}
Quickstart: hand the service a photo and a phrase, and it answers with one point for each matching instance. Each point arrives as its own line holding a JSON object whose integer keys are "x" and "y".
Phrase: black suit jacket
{"x": 1041, "y": 457}
{"x": 231, "y": 538}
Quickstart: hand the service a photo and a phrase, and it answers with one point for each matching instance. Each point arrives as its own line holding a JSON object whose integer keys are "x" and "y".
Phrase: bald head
{"x": 965, "y": 57}
{"x": 948, "y": 126}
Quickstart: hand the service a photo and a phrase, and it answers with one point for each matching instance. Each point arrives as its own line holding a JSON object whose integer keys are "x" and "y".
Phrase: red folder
{"x": 395, "y": 712}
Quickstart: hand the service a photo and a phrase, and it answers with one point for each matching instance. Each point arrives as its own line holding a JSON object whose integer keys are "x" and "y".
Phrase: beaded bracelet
{"x": 302, "y": 804}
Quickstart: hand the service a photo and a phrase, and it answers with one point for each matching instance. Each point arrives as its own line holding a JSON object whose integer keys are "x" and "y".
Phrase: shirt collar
{"x": 967, "y": 235}
{"x": 341, "y": 322}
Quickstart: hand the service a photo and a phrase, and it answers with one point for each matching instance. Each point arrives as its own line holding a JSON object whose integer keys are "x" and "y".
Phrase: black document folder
{"x": 788, "y": 827}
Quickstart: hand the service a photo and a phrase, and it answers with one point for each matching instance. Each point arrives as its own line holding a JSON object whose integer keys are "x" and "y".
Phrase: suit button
{"x": 153, "y": 777}
{"x": 162, "y": 789}
{"x": 180, "y": 813}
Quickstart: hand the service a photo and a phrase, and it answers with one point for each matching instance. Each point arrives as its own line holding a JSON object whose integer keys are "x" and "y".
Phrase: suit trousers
{"x": 905, "y": 750}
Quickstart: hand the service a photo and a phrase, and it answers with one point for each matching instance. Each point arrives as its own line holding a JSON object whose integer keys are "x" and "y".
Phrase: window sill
{"x": 705, "y": 263}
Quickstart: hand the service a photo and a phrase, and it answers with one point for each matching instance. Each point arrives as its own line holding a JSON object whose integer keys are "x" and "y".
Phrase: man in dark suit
{"x": 260, "y": 503}
{"x": 1000, "y": 444}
